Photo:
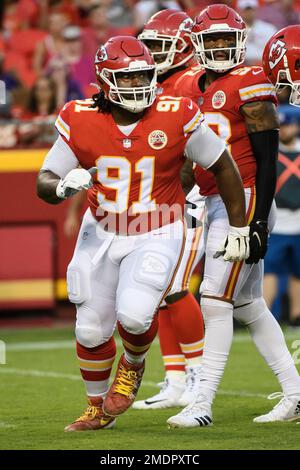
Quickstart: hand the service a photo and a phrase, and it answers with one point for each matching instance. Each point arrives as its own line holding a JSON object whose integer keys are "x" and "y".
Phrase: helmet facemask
{"x": 170, "y": 46}
{"x": 206, "y": 56}
{"x": 134, "y": 99}
{"x": 284, "y": 80}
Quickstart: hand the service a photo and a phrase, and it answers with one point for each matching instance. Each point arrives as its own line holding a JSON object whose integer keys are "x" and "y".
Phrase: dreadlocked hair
{"x": 101, "y": 102}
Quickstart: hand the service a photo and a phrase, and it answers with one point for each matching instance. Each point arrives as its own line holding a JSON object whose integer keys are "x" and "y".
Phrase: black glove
{"x": 259, "y": 234}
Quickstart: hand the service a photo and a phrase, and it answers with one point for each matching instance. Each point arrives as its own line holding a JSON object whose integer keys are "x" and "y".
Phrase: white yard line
{"x": 59, "y": 375}
{"x": 38, "y": 373}
{"x": 40, "y": 346}
{"x": 70, "y": 344}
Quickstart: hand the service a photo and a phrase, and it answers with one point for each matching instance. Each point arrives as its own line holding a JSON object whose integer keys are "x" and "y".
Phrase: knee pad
{"x": 132, "y": 324}
{"x": 92, "y": 330}
{"x": 79, "y": 278}
{"x": 135, "y": 310}
{"x": 251, "y": 312}
{"x": 215, "y": 310}
{"x": 89, "y": 337}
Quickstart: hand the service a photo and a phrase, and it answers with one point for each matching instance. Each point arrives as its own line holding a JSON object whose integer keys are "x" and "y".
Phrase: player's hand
{"x": 259, "y": 235}
{"x": 75, "y": 181}
{"x": 236, "y": 245}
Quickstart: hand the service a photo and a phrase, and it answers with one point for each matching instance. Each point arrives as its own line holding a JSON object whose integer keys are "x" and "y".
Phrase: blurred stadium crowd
{"x": 47, "y": 50}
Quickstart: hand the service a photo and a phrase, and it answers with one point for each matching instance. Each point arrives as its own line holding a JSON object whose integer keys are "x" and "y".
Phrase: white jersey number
{"x": 116, "y": 173}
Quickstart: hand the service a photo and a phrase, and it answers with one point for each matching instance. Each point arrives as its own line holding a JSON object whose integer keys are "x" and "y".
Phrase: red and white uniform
{"x": 221, "y": 105}
{"x": 123, "y": 274}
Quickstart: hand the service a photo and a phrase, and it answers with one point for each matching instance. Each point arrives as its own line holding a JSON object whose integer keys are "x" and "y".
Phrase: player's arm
{"x": 263, "y": 128}
{"x": 60, "y": 176}
{"x": 205, "y": 148}
{"x": 231, "y": 189}
{"x": 187, "y": 177}
{"x": 46, "y": 187}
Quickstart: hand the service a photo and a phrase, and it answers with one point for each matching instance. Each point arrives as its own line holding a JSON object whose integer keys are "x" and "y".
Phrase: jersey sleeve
{"x": 204, "y": 147}
{"x": 60, "y": 159}
{"x": 63, "y": 123}
{"x": 254, "y": 86}
{"x": 192, "y": 116}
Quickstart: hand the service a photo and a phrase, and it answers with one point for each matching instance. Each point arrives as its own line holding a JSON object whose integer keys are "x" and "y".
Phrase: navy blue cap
{"x": 288, "y": 118}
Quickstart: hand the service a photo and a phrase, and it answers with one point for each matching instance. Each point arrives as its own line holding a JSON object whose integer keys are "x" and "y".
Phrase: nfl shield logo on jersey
{"x": 126, "y": 143}
{"x": 219, "y": 99}
{"x": 157, "y": 139}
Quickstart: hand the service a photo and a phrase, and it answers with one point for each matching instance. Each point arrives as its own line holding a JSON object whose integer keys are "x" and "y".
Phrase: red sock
{"x": 169, "y": 345}
{"x": 136, "y": 346}
{"x": 187, "y": 321}
{"x": 95, "y": 366}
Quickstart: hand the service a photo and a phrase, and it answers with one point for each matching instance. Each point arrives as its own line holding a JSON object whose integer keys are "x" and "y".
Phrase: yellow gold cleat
{"x": 124, "y": 388}
{"x": 93, "y": 418}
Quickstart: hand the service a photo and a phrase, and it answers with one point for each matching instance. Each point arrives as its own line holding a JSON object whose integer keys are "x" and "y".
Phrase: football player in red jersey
{"x": 239, "y": 104}
{"x": 281, "y": 61}
{"x": 168, "y": 36}
{"x": 130, "y": 147}
{"x": 180, "y": 323}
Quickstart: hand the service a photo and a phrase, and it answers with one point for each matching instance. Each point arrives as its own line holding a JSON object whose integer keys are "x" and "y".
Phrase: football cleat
{"x": 193, "y": 377}
{"x": 288, "y": 409}
{"x": 168, "y": 397}
{"x": 124, "y": 388}
{"x": 197, "y": 414}
{"x": 93, "y": 418}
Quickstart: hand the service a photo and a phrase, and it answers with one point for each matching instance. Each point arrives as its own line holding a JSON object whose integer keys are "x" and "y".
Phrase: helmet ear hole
{"x": 297, "y": 65}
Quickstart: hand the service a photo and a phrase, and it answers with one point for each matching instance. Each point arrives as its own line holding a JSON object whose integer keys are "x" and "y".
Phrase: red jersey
{"x": 220, "y": 104}
{"x": 166, "y": 88}
{"x": 139, "y": 173}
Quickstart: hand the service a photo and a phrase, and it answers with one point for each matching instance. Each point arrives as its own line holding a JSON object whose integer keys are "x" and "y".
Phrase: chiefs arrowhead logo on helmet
{"x": 101, "y": 55}
{"x": 186, "y": 25}
{"x": 277, "y": 51}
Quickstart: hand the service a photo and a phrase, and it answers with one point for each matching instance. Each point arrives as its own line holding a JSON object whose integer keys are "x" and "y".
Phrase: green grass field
{"x": 41, "y": 392}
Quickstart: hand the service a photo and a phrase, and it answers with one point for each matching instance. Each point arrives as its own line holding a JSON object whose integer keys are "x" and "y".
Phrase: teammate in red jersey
{"x": 239, "y": 104}
{"x": 168, "y": 36}
{"x": 132, "y": 236}
{"x": 181, "y": 330}
{"x": 281, "y": 61}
